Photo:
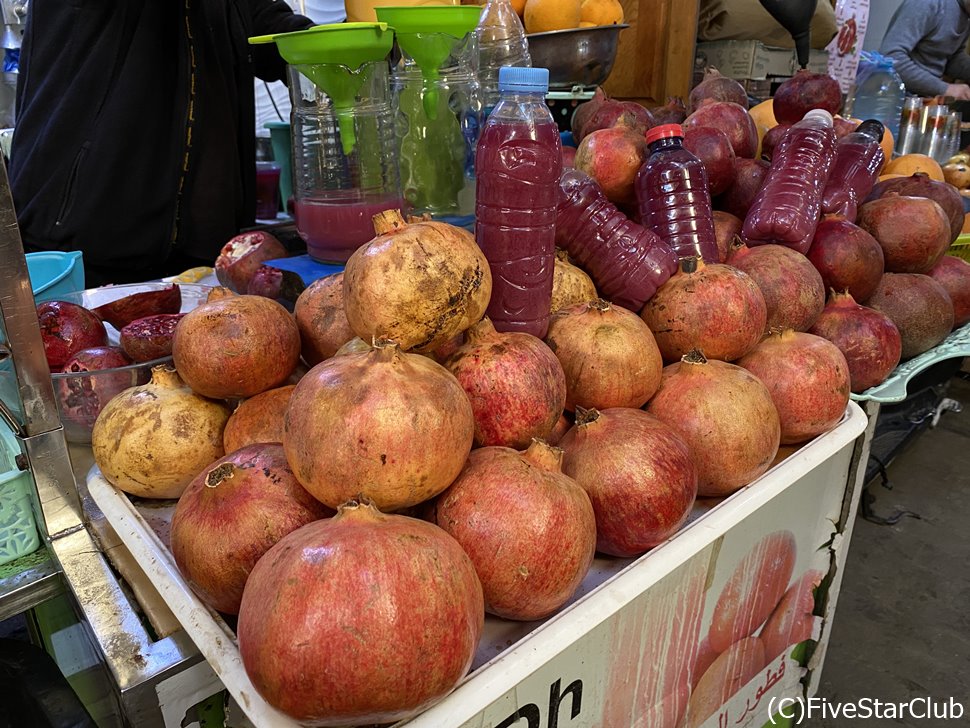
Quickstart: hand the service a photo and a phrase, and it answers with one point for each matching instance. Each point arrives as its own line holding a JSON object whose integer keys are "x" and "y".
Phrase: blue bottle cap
{"x": 523, "y": 79}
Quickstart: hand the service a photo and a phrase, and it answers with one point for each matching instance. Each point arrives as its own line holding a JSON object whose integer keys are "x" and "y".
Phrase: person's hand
{"x": 958, "y": 91}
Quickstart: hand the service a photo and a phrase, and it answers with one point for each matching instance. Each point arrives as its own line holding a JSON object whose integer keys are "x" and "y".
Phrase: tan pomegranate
{"x": 320, "y": 316}
{"x": 570, "y": 284}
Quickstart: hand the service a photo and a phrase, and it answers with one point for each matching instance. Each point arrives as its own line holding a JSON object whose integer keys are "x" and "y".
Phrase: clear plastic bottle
{"x": 878, "y": 92}
{"x": 518, "y": 164}
{"x": 673, "y": 196}
{"x": 501, "y": 42}
{"x": 787, "y": 207}
{"x": 627, "y": 262}
{"x": 858, "y": 159}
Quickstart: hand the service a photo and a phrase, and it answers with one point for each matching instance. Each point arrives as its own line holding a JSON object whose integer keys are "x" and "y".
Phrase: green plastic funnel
{"x": 334, "y": 57}
{"x": 428, "y": 34}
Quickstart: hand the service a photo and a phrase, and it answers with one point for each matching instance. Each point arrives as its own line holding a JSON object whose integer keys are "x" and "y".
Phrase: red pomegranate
{"x": 920, "y": 185}
{"x": 715, "y": 308}
{"x": 121, "y": 312}
{"x": 868, "y": 339}
{"x": 231, "y": 514}
{"x": 333, "y": 641}
{"x": 802, "y": 93}
{"x": 847, "y": 257}
{"x": 727, "y": 227}
{"x": 528, "y": 528}
{"x": 843, "y": 126}
{"x": 613, "y": 157}
{"x": 258, "y": 419}
{"x": 608, "y": 354}
{"x": 242, "y": 256}
{"x": 66, "y": 329}
{"x": 725, "y": 415}
{"x": 515, "y": 384}
{"x": 150, "y": 338}
{"x": 771, "y": 139}
{"x": 920, "y": 308}
{"x": 320, "y": 316}
{"x": 715, "y": 87}
{"x": 638, "y": 473}
{"x": 913, "y": 232}
{"x": 568, "y": 157}
{"x": 673, "y": 112}
{"x": 584, "y": 112}
{"x": 954, "y": 275}
{"x": 749, "y": 175}
{"x": 733, "y": 119}
{"x": 713, "y": 148}
{"x": 81, "y": 398}
{"x": 614, "y": 112}
{"x": 236, "y": 347}
{"x": 808, "y": 378}
{"x": 793, "y": 290}
{"x": 392, "y": 426}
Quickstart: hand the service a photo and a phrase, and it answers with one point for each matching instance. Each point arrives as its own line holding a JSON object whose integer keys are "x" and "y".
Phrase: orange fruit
{"x": 518, "y": 6}
{"x": 888, "y": 176}
{"x": 910, "y": 164}
{"x": 544, "y": 15}
{"x": 966, "y": 224}
{"x": 601, "y": 12}
{"x": 764, "y": 119}
{"x": 887, "y": 144}
{"x": 586, "y": 24}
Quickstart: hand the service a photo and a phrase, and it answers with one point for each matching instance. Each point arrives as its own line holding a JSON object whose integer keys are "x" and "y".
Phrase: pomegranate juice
{"x": 334, "y": 230}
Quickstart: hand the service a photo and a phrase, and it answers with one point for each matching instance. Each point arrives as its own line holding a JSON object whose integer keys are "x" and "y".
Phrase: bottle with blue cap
{"x": 518, "y": 163}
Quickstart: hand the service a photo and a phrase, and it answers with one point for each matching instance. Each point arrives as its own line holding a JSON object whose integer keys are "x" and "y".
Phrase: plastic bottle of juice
{"x": 858, "y": 159}
{"x": 518, "y": 163}
{"x": 673, "y": 196}
{"x": 787, "y": 208}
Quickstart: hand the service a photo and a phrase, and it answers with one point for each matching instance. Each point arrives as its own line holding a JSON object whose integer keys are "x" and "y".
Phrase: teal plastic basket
{"x": 52, "y": 274}
{"x": 18, "y": 530}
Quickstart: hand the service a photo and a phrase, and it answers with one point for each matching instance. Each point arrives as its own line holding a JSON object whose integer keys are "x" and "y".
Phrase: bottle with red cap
{"x": 673, "y": 196}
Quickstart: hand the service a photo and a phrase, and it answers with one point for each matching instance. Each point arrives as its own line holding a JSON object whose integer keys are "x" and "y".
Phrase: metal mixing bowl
{"x": 577, "y": 57}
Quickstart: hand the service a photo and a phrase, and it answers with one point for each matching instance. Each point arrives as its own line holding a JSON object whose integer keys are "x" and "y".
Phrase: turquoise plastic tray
{"x": 18, "y": 530}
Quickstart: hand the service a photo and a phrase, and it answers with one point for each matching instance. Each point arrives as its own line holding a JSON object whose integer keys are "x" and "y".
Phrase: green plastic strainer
{"x": 334, "y": 57}
{"x": 428, "y": 34}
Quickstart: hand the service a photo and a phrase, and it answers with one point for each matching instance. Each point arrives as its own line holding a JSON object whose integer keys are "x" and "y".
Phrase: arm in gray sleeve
{"x": 907, "y": 27}
{"x": 958, "y": 66}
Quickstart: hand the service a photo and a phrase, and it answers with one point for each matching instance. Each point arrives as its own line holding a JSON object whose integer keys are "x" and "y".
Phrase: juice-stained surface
{"x": 518, "y": 164}
{"x": 334, "y": 230}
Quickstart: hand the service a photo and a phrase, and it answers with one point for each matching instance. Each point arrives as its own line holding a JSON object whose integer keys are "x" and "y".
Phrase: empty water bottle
{"x": 501, "y": 42}
{"x": 878, "y": 92}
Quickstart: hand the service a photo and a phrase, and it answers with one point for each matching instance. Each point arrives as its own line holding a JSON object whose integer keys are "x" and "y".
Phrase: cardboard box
{"x": 751, "y": 59}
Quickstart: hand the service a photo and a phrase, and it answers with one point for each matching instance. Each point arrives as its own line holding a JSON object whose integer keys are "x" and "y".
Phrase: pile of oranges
{"x": 540, "y": 16}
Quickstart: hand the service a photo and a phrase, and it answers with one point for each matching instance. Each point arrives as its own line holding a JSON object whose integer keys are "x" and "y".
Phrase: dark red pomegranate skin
{"x": 919, "y": 306}
{"x": 749, "y": 175}
{"x": 83, "y": 397}
{"x": 771, "y": 139}
{"x": 954, "y": 275}
{"x": 727, "y": 227}
{"x": 920, "y": 185}
{"x": 713, "y": 148}
{"x": 803, "y": 92}
{"x": 847, "y": 257}
{"x": 66, "y": 329}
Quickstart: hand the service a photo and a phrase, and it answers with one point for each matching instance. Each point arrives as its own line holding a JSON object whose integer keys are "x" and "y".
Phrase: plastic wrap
{"x": 858, "y": 159}
{"x": 626, "y": 261}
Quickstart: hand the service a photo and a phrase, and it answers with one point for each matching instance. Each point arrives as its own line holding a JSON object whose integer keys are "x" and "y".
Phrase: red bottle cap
{"x": 664, "y": 131}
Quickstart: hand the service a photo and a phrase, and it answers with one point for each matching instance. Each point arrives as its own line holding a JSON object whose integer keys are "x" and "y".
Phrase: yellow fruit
{"x": 957, "y": 175}
{"x": 764, "y": 119}
{"x": 601, "y": 12}
{"x": 883, "y": 177}
{"x": 544, "y": 15}
{"x": 966, "y": 224}
{"x": 910, "y": 164}
{"x": 586, "y": 24}
{"x": 519, "y": 7}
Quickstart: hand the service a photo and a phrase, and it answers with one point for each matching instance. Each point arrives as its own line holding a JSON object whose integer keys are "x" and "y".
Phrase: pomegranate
{"x": 419, "y": 284}
{"x": 236, "y": 347}
{"x": 231, "y": 514}
{"x": 241, "y": 257}
{"x": 152, "y": 440}
{"x": 803, "y": 92}
{"x": 713, "y": 148}
{"x": 638, "y": 473}
{"x": 585, "y": 111}
{"x": 81, "y": 398}
{"x": 570, "y": 284}
{"x": 844, "y": 127}
{"x": 715, "y": 87}
{"x": 333, "y": 641}
{"x": 283, "y": 286}
{"x": 66, "y": 329}
{"x": 727, "y": 227}
{"x": 529, "y": 529}
{"x": 729, "y": 672}
{"x": 868, "y": 339}
{"x": 560, "y": 429}
{"x": 771, "y": 139}
{"x": 515, "y": 384}
{"x": 150, "y": 338}
{"x": 733, "y": 120}
{"x": 808, "y": 378}
{"x": 726, "y": 417}
{"x": 716, "y": 308}
{"x": 847, "y": 257}
{"x": 608, "y": 354}
{"x": 793, "y": 290}
{"x": 749, "y": 175}
{"x": 320, "y": 316}
{"x": 954, "y": 275}
{"x": 613, "y": 113}
{"x": 673, "y": 112}
{"x": 613, "y": 157}
{"x": 392, "y": 426}
{"x": 920, "y": 308}
{"x": 920, "y": 185}
{"x": 792, "y": 621}
{"x": 122, "y": 312}
{"x": 913, "y": 231}
{"x": 258, "y": 419}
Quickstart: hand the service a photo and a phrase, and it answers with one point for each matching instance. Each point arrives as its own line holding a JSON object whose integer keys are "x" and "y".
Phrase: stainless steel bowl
{"x": 577, "y": 57}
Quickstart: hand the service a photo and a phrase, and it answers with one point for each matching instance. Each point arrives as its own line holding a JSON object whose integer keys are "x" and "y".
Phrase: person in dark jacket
{"x": 134, "y": 140}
